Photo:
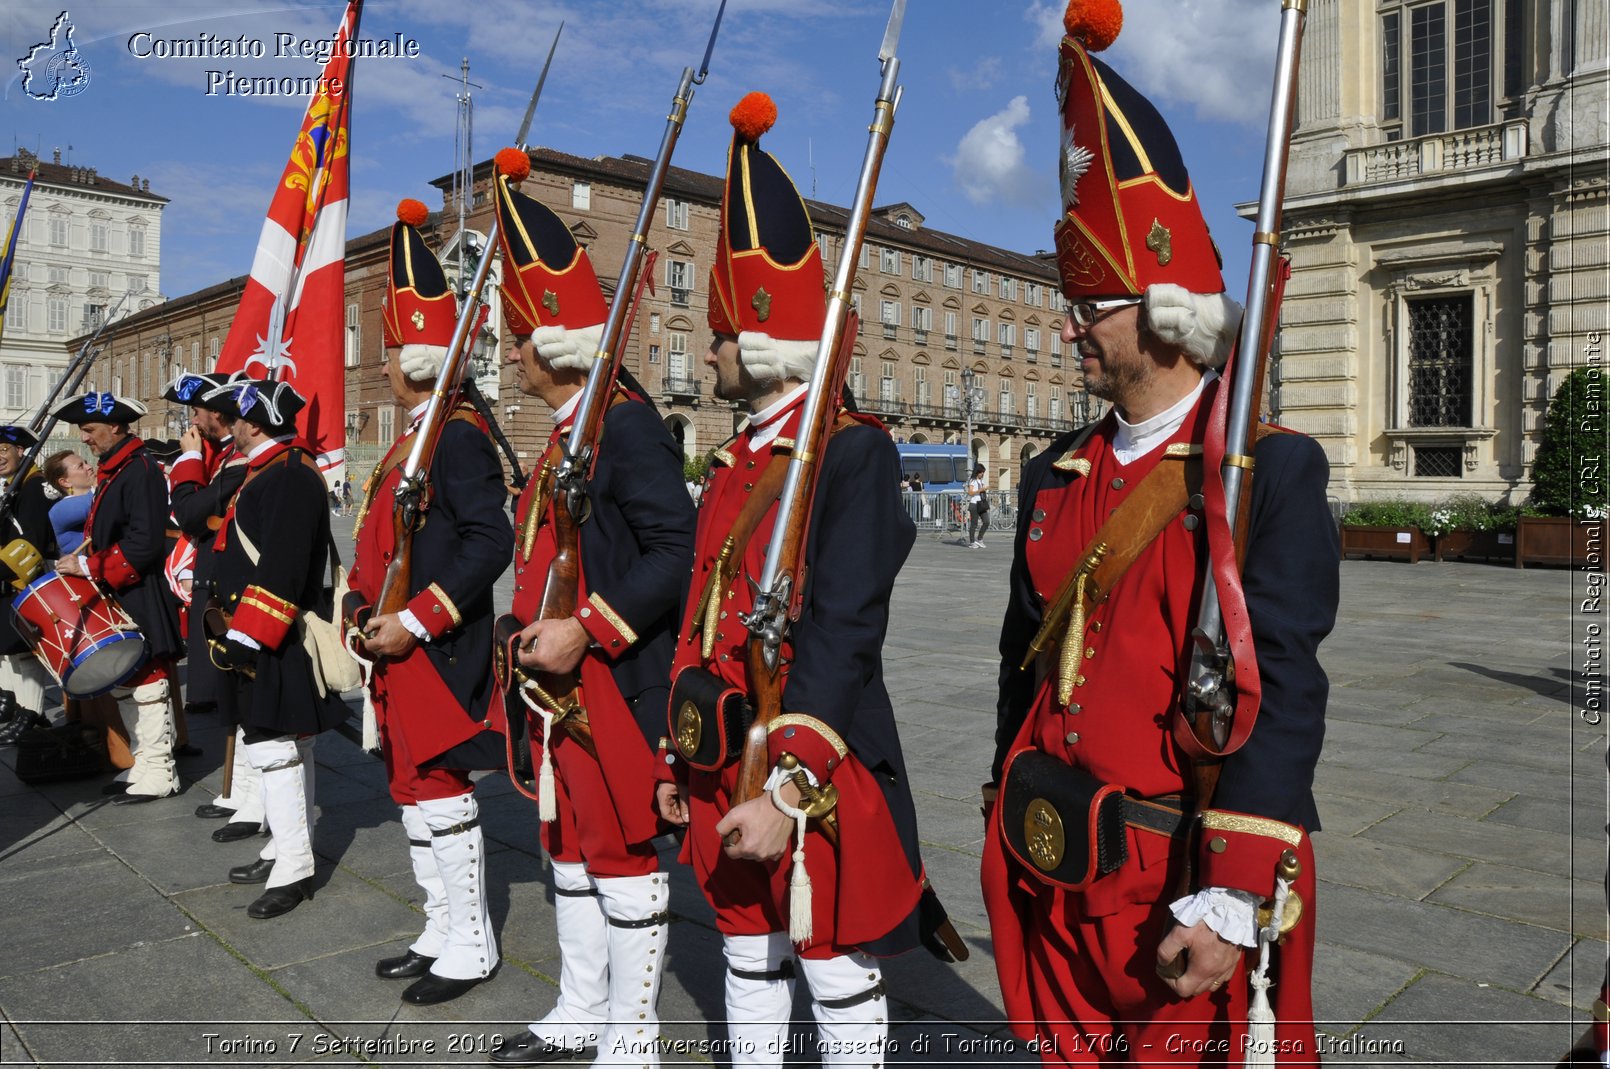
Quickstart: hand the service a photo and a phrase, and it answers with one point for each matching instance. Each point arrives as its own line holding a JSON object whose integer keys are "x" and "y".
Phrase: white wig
{"x": 1202, "y": 324}
{"x": 422, "y": 363}
{"x": 770, "y": 359}
{"x": 568, "y": 348}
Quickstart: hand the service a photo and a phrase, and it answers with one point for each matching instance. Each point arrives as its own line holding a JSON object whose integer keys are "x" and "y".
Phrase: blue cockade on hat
{"x": 99, "y": 403}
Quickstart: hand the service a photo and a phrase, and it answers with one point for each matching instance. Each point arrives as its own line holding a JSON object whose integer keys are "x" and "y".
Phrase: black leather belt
{"x": 1164, "y": 815}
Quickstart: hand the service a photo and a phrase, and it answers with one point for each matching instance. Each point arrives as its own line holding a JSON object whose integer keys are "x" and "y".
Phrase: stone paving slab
{"x": 1455, "y": 789}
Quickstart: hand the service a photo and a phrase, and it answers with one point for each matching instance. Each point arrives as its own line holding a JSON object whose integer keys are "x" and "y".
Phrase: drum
{"x": 85, "y": 638}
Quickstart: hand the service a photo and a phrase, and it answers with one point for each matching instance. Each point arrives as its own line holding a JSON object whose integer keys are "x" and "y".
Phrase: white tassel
{"x": 799, "y": 878}
{"x": 547, "y": 802}
{"x": 366, "y": 668}
{"x": 1261, "y": 1015}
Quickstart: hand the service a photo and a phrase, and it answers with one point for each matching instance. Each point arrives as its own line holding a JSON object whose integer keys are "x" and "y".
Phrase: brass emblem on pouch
{"x": 1044, "y": 835}
{"x": 1161, "y": 242}
{"x": 689, "y": 728}
{"x": 761, "y": 303}
{"x": 418, "y": 319}
{"x": 550, "y": 301}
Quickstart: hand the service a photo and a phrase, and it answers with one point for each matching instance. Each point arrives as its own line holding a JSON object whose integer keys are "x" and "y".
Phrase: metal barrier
{"x": 945, "y": 511}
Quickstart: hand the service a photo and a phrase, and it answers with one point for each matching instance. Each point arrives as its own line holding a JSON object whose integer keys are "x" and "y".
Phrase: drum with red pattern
{"x": 84, "y": 637}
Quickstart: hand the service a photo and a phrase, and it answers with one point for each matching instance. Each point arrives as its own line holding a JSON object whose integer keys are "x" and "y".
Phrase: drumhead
{"x": 105, "y": 664}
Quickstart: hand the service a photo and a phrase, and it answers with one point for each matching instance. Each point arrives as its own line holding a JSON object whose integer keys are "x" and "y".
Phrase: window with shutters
{"x": 354, "y": 337}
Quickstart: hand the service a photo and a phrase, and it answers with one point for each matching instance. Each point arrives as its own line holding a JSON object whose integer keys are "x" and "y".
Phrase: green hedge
{"x": 1459, "y": 512}
{"x": 1568, "y": 476}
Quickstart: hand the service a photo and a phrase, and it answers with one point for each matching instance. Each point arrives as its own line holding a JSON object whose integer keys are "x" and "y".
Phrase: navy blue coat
{"x": 128, "y": 532}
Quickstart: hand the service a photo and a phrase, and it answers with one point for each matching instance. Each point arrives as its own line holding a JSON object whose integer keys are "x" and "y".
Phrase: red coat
{"x": 1118, "y": 725}
{"x": 838, "y": 721}
{"x": 437, "y": 698}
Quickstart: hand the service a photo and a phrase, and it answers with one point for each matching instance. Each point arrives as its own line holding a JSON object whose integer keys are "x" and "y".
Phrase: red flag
{"x": 289, "y": 324}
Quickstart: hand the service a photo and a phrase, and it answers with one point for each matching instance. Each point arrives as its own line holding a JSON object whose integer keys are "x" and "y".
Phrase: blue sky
{"x": 974, "y": 146}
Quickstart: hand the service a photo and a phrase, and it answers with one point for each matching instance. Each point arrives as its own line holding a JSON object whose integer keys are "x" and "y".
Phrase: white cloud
{"x": 1213, "y": 56}
{"x": 1046, "y": 18}
{"x": 989, "y": 160}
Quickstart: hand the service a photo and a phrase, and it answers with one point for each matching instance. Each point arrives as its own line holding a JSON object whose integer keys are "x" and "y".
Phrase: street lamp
{"x": 972, "y": 398}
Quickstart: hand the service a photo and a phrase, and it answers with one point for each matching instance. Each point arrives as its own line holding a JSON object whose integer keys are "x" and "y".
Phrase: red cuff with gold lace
{"x": 266, "y": 617}
{"x": 613, "y": 635}
{"x": 1242, "y": 851}
{"x": 817, "y": 746}
{"x": 435, "y": 611}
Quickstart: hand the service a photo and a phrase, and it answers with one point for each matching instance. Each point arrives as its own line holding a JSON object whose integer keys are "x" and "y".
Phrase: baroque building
{"x": 1446, "y": 219}
{"x": 86, "y": 240}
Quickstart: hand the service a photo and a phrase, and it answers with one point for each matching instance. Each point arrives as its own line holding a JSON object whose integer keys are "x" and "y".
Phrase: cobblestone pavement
{"x": 1461, "y": 913}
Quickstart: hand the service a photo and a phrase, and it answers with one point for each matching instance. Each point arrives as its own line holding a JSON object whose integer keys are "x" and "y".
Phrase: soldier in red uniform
{"x": 431, "y": 686}
{"x": 767, "y": 310}
{"x": 1089, "y": 943}
{"x": 596, "y": 788}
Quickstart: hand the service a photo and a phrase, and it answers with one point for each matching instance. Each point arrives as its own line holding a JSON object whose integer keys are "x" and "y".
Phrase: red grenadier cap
{"x": 420, "y": 310}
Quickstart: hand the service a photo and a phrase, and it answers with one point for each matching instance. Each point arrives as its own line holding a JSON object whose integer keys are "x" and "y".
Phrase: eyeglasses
{"x": 1085, "y": 313}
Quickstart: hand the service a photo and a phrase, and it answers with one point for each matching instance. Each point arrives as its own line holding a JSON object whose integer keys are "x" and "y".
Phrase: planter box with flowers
{"x": 1566, "y": 540}
{"x": 1390, "y": 530}
{"x": 1465, "y": 527}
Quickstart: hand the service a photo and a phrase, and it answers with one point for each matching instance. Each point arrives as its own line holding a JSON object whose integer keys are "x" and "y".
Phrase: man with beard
{"x": 127, "y": 539}
{"x": 596, "y": 782}
{"x": 767, "y": 310}
{"x": 1139, "y": 945}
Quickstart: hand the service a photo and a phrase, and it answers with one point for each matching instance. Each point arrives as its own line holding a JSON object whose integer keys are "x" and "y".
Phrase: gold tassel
{"x": 1073, "y": 643}
{"x": 533, "y": 516}
{"x": 709, "y": 614}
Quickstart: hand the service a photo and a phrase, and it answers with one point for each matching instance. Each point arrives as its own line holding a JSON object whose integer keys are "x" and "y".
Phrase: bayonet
{"x": 891, "y": 33}
{"x": 536, "y": 94}
{"x": 710, "y": 47}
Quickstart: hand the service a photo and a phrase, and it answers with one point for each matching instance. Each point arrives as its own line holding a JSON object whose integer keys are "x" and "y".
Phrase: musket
{"x": 562, "y": 690}
{"x": 780, "y": 580}
{"x": 412, "y": 493}
{"x": 43, "y": 422}
{"x": 1214, "y": 698}
{"x": 472, "y": 393}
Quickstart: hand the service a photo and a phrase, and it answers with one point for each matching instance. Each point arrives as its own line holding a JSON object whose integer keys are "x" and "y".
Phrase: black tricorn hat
{"x": 100, "y": 408}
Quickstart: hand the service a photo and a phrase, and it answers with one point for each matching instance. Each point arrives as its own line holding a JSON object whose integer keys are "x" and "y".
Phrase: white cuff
{"x": 415, "y": 628}
{"x": 1231, "y": 913}
{"x": 244, "y": 639}
{"x": 83, "y": 562}
{"x": 188, "y": 454}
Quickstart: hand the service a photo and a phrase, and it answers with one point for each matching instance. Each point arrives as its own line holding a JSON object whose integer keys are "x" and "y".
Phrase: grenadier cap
{"x": 420, "y": 310}
{"x": 100, "y": 408}
{"x": 270, "y": 403}
{"x": 200, "y": 390}
{"x": 767, "y": 286}
{"x": 1131, "y": 223}
{"x": 550, "y": 290}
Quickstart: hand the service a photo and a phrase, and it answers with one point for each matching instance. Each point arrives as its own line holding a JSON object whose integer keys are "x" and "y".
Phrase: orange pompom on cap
{"x": 1095, "y": 22}
{"x": 412, "y": 212}
{"x": 513, "y": 164}
{"x": 753, "y": 116}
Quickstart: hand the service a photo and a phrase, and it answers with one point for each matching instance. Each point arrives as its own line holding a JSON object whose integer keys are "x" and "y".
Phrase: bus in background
{"x": 941, "y": 466}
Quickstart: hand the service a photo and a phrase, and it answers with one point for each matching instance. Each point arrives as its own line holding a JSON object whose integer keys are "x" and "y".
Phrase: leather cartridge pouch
{"x": 708, "y": 719}
{"x": 506, "y": 671}
{"x": 1061, "y": 823}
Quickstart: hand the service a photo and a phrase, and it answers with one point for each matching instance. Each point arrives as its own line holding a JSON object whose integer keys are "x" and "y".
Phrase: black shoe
{"x": 237, "y": 830}
{"x": 256, "y": 872}
{"x": 409, "y": 966}
{"x": 20, "y": 723}
{"x": 209, "y": 811}
{"x": 127, "y": 798}
{"x": 430, "y": 989}
{"x": 187, "y": 750}
{"x": 529, "y": 1050}
{"x": 116, "y": 787}
{"x": 278, "y": 901}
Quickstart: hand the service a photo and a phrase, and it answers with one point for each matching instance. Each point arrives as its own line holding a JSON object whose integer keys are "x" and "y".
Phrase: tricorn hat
{"x": 767, "y": 286}
{"x": 100, "y": 408}
{"x": 21, "y": 437}
{"x": 270, "y": 403}
{"x": 197, "y": 389}
{"x": 550, "y": 290}
{"x": 420, "y": 311}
